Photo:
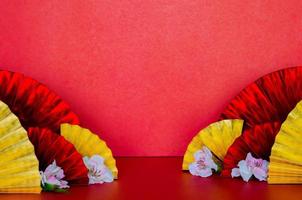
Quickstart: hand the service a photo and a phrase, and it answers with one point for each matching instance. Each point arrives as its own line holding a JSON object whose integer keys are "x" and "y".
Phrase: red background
{"x": 148, "y": 74}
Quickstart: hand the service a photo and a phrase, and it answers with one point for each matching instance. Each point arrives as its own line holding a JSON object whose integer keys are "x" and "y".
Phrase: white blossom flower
{"x": 97, "y": 170}
{"x": 203, "y": 164}
{"x": 53, "y": 175}
{"x": 251, "y": 166}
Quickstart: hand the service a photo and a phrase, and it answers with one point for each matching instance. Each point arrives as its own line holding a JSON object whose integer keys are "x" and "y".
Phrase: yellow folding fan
{"x": 286, "y": 155}
{"x": 19, "y": 167}
{"x": 217, "y": 137}
{"x": 89, "y": 144}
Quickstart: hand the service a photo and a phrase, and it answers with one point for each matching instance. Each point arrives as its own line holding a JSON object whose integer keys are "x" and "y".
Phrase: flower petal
{"x": 198, "y": 155}
{"x": 245, "y": 172}
{"x": 235, "y": 172}
{"x": 205, "y": 172}
{"x": 108, "y": 176}
{"x": 260, "y": 174}
{"x": 97, "y": 158}
{"x": 193, "y": 169}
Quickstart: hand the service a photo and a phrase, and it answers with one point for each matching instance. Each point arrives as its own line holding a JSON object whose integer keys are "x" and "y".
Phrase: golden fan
{"x": 286, "y": 157}
{"x": 217, "y": 137}
{"x": 89, "y": 144}
{"x": 19, "y": 167}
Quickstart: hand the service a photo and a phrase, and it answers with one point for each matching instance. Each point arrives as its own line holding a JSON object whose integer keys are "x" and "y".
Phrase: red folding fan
{"x": 263, "y": 106}
{"x": 33, "y": 103}
{"x": 50, "y": 146}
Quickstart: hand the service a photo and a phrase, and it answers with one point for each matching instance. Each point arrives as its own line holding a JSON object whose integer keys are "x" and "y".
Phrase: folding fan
{"x": 217, "y": 137}
{"x": 257, "y": 140}
{"x": 286, "y": 157}
{"x": 33, "y": 102}
{"x": 50, "y": 146}
{"x": 89, "y": 144}
{"x": 19, "y": 167}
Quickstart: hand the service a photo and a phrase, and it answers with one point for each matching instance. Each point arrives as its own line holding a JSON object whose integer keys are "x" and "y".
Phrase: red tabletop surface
{"x": 162, "y": 178}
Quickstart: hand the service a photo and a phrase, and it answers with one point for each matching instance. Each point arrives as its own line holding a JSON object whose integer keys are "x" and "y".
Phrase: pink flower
{"x": 251, "y": 166}
{"x": 97, "y": 170}
{"x": 53, "y": 175}
{"x": 203, "y": 164}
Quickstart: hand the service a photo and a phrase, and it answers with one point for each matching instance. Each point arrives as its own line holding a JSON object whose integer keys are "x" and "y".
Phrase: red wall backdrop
{"x": 148, "y": 74}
